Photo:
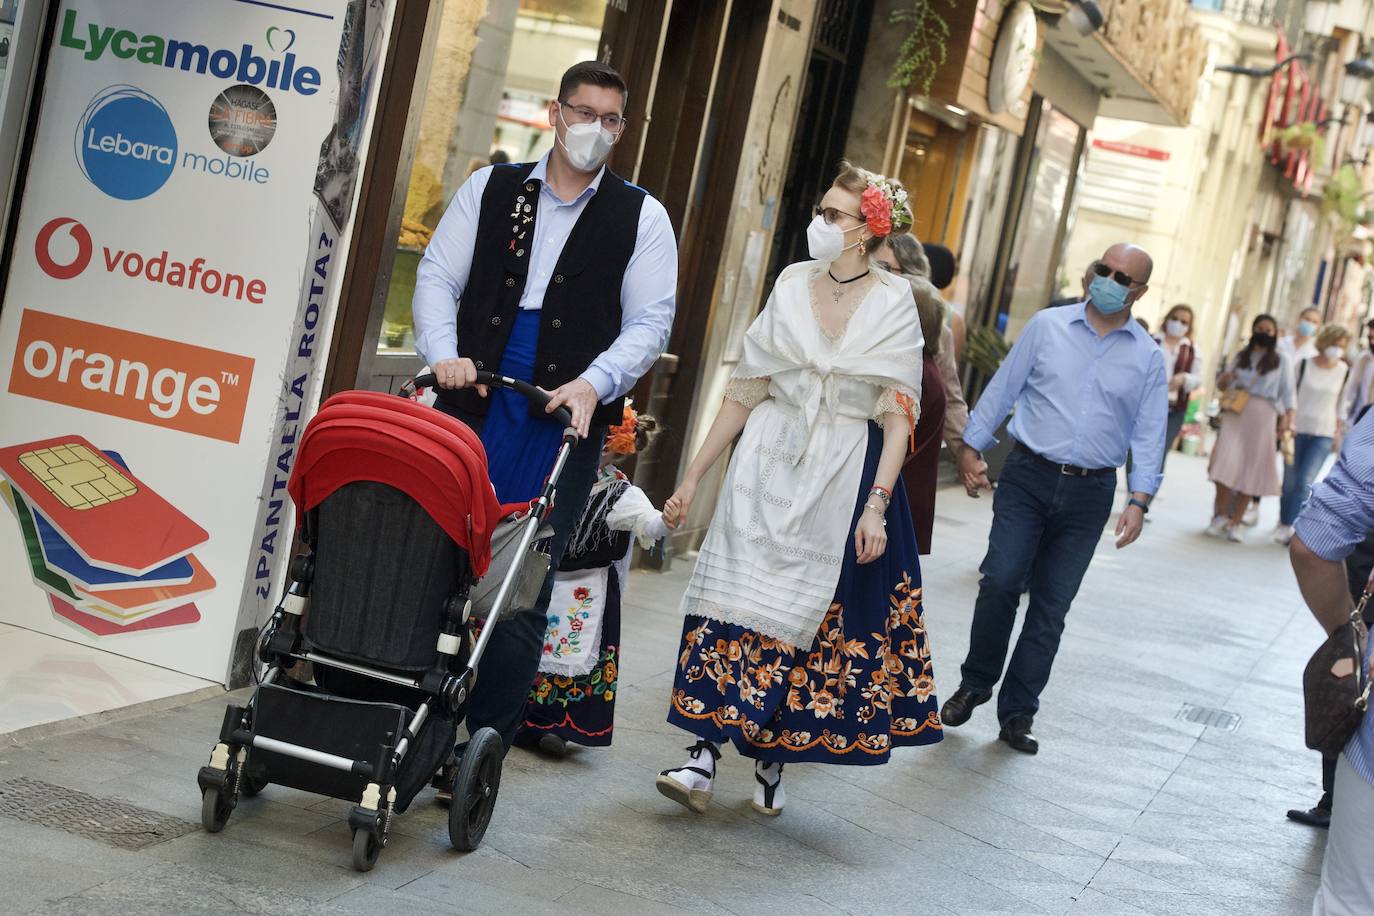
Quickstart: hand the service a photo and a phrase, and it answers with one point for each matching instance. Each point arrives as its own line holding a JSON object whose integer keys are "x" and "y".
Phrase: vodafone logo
{"x": 61, "y": 264}
{"x": 53, "y": 248}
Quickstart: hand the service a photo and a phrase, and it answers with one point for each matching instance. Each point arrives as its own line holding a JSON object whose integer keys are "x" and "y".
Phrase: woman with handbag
{"x": 1257, "y": 402}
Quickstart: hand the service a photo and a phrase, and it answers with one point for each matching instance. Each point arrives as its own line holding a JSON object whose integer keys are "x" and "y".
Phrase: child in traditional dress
{"x": 573, "y": 698}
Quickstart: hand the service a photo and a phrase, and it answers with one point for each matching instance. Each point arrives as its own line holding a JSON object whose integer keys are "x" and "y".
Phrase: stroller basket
{"x": 394, "y": 502}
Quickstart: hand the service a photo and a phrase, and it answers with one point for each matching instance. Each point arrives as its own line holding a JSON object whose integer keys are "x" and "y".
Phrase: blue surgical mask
{"x": 1307, "y": 329}
{"x": 1108, "y": 295}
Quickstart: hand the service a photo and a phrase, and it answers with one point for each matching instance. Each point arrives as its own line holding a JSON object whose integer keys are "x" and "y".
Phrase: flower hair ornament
{"x": 621, "y": 439}
{"x": 884, "y": 205}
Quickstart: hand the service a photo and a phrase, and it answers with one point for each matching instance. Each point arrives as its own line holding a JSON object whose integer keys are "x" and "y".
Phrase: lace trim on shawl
{"x": 890, "y": 401}
{"x": 749, "y": 392}
{"x": 700, "y": 607}
{"x": 859, "y": 296}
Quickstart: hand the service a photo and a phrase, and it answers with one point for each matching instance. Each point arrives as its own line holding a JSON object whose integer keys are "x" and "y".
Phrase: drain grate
{"x": 1209, "y": 716}
{"x": 114, "y": 822}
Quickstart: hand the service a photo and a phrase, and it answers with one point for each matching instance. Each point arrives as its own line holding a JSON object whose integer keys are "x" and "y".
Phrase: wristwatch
{"x": 1144, "y": 506}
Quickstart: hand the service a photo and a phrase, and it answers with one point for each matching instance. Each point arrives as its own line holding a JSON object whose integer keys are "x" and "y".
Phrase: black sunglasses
{"x": 1102, "y": 270}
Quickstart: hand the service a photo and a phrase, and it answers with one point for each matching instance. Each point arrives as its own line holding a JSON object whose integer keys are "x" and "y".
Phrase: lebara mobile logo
{"x": 125, "y": 143}
{"x": 134, "y": 376}
{"x": 243, "y": 64}
{"x": 63, "y": 249}
{"x": 111, "y": 555}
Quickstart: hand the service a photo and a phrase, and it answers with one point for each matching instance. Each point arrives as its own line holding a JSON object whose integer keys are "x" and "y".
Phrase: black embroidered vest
{"x": 581, "y": 310}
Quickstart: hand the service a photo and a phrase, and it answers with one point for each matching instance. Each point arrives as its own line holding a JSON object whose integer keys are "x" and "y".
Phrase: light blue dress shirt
{"x": 648, "y": 292}
{"x": 1080, "y": 399}
{"x": 1337, "y": 517}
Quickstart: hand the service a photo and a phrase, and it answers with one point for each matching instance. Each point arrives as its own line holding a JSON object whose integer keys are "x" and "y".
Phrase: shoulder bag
{"x": 1335, "y": 684}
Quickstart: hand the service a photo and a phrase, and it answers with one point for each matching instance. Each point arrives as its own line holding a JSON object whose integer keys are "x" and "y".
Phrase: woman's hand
{"x": 1225, "y": 379}
{"x": 870, "y": 536}
{"x": 675, "y": 509}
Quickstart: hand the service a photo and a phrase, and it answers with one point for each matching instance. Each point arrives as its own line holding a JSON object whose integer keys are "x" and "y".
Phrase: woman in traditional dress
{"x": 573, "y": 698}
{"x": 804, "y": 638}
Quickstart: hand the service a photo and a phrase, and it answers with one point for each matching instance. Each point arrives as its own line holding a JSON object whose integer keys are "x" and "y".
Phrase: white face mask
{"x": 1333, "y": 352}
{"x": 825, "y": 241}
{"x": 587, "y": 145}
{"x": 1175, "y": 328}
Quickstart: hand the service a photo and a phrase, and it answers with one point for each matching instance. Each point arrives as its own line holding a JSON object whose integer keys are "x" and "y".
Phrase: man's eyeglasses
{"x": 581, "y": 114}
{"x": 1102, "y": 270}
{"x": 831, "y": 215}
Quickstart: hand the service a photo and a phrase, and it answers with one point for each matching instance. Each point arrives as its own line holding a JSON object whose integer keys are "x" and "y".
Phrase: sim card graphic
{"x": 111, "y": 555}
{"x": 111, "y": 518}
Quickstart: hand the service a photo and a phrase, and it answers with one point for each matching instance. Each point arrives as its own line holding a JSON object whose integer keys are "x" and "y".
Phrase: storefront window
{"x": 1036, "y": 252}
{"x": 9, "y": 10}
{"x": 487, "y": 98}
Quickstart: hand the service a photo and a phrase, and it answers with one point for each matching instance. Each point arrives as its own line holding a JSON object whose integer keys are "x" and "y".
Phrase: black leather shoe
{"x": 959, "y": 707}
{"x": 1313, "y": 817}
{"x": 1017, "y": 733}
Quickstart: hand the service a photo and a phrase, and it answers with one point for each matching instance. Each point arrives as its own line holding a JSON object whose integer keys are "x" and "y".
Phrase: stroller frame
{"x": 473, "y": 777}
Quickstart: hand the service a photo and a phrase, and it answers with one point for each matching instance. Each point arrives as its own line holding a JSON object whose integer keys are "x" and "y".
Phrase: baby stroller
{"x": 398, "y": 516}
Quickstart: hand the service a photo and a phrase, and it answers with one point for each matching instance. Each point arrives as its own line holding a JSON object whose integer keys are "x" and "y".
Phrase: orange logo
{"x": 135, "y": 376}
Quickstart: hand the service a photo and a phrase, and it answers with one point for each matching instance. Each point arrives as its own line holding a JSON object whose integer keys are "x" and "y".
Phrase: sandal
{"x": 695, "y": 799}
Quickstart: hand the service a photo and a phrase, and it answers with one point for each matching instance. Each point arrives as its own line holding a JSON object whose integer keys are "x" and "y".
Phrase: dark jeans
{"x": 1045, "y": 526}
{"x": 511, "y": 660}
{"x": 1172, "y": 425}
{"x": 1309, "y": 452}
{"x": 1357, "y": 567}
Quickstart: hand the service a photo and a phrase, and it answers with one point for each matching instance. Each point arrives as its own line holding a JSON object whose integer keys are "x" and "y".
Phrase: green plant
{"x": 984, "y": 349}
{"x": 924, "y": 51}
{"x": 1303, "y": 137}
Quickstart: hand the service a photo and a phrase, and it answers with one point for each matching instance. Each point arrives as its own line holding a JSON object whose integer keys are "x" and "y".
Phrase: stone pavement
{"x": 1127, "y": 809}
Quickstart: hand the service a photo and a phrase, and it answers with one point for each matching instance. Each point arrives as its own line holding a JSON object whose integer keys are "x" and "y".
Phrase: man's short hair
{"x": 1369, "y": 325}
{"x": 592, "y": 73}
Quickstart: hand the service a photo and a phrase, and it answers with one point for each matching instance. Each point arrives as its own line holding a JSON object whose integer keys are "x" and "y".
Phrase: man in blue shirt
{"x": 561, "y": 274}
{"x": 1338, "y": 516}
{"x": 1087, "y": 384}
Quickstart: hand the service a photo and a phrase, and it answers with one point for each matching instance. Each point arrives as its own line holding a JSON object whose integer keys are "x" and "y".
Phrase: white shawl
{"x": 771, "y": 559}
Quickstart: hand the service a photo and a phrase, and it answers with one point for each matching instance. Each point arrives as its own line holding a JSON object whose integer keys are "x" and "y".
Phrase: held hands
{"x": 870, "y": 536}
{"x": 457, "y": 373}
{"x": 1225, "y": 379}
{"x": 580, "y": 398}
{"x": 973, "y": 471}
{"x": 675, "y": 509}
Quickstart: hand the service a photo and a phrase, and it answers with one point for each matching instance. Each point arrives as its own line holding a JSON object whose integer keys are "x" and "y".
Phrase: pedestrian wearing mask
{"x": 1359, "y": 393}
{"x": 805, "y": 639}
{"x": 1302, "y": 343}
{"x": 1087, "y": 383}
{"x": 1184, "y": 364}
{"x": 1256, "y": 401}
{"x": 558, "y": 273}
{"x": 1319, "y": 423}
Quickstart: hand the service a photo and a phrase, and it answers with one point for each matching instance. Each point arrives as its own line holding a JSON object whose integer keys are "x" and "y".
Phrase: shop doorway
{"x": 832, "y": 76}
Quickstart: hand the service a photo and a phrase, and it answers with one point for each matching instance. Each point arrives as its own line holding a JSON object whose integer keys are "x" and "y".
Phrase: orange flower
{"x": 877, "y": 209}
{"x": 621, "y": 439}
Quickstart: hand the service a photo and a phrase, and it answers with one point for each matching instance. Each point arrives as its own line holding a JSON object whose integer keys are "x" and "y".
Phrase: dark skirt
{"x": 580, "y": 709}
{"x": 863, "y": 686}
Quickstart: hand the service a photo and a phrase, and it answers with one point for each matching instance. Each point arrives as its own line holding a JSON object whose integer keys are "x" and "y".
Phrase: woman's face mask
{"x": 825, "y": 241}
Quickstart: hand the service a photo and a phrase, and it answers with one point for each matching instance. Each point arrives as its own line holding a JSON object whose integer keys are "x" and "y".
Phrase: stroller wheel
{"x": 366, "y": 849}
{"x": 250, "y": 785}
{"x": 474, "y": 790}
{"x": 215, "y": 808}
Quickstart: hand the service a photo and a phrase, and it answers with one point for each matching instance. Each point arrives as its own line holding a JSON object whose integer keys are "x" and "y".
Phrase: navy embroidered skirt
{"x": 864, "y": 686}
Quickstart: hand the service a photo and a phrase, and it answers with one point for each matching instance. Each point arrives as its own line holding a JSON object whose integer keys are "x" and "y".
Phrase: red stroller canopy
{"x": 426, "y": 454}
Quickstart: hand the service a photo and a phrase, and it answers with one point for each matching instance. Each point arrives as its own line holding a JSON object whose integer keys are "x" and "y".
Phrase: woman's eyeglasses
{"x": 1102, "y": 270}
{"x": 580, "y": 114}
{"x": 831, "y": 215}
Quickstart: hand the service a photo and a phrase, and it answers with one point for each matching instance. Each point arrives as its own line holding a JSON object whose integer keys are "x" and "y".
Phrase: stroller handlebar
{"x": 532, "y": 394}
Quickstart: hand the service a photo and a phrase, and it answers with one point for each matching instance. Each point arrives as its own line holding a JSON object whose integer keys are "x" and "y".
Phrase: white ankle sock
{"x": 772, "y": 774}
{"x": 699, "y": 758}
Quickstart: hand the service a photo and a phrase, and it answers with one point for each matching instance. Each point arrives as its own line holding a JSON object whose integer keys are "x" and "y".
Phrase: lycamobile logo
{"x": 241, "y": 65}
